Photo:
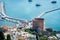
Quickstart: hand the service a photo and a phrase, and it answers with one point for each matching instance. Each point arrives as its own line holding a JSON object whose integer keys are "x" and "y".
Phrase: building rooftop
{"x": 39, "y": 18}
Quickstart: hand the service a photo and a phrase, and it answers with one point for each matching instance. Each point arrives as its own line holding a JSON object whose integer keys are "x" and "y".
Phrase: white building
{"x": 52, "y": 38}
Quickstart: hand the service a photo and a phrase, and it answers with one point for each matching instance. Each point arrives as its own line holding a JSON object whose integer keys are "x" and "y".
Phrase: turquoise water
{"x": 23, "y": 9}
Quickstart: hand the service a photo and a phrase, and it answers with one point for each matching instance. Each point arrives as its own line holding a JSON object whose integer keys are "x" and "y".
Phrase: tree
{"x": 36, "y": 29}
{"x": 54, "y": 33}
{"x": 29, "y": 31}
{"x": 40, "y": 34}
{"x": 49, "y": 29}
{"x": 2, "y": 37}
{"x": 44, "y": 37}
{"x": 8, "y": 37}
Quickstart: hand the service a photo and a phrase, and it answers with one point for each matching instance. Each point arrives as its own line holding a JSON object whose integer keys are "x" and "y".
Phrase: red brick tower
{"x": 40, "y": 23}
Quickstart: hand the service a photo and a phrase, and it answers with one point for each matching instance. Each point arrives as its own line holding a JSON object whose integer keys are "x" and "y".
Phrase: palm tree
{"x": 8, "y": 37}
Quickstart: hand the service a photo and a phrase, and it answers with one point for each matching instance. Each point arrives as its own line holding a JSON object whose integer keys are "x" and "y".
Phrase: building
{"x": 52, "y": 38}
{"x": 6, "y": 27}
{"x": 58, "y": 36}
{"x": 39, "y": 23}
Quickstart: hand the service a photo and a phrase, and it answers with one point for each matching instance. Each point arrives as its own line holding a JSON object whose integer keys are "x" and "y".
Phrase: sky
{"x": 23, "y": 9}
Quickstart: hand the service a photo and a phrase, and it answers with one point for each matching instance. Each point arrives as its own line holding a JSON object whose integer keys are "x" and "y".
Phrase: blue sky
{"x": 23, "y": 9}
